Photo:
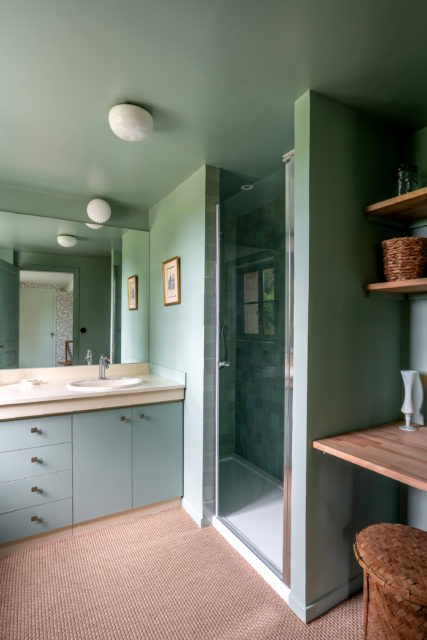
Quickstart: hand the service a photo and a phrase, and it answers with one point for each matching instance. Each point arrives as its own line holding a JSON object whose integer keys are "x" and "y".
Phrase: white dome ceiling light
{"x": 98, "y": 210}
{"x": 130, "y": 122}
{"x": 67, "y": 241}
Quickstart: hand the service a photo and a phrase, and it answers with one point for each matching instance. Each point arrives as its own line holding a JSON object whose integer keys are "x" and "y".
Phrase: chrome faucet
{"x": 103, "y": 364}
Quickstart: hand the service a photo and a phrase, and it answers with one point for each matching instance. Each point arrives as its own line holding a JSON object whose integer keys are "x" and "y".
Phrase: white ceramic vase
{"x": 407, "y": 406}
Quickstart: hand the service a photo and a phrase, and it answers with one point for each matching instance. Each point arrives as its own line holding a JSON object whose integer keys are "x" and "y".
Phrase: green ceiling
{"x": 220, "y": 78}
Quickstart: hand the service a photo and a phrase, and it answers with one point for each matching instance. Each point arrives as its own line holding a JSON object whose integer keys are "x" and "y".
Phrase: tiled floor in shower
{"x": 252, "y": 502}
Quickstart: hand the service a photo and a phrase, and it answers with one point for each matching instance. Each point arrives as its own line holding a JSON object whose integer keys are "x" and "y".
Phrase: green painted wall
{"x": 347, "y": 345}
{"x": 135, "y": 324}
{"x": 177, "y": 228}
{"x": 417, "y": 500}
{"x": 6, "y": 255}
{"x": 94, "y": 296}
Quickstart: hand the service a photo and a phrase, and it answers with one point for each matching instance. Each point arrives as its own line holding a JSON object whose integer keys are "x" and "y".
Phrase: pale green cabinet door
{"x": 157, "y": 454}
{"x": 102, "y": 475}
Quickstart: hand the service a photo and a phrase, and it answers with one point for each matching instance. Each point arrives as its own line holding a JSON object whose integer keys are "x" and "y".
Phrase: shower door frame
{"x": 288, "y": 160}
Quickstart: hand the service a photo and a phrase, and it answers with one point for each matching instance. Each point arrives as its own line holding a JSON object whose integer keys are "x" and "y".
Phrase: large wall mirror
{"x": 61, "y": 304}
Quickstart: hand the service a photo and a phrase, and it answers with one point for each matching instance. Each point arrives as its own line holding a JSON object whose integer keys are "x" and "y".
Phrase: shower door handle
{"x": 223, "y": 364}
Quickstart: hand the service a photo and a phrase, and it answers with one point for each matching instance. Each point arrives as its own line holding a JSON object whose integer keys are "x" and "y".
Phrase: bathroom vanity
{"x": 68, "y": 457}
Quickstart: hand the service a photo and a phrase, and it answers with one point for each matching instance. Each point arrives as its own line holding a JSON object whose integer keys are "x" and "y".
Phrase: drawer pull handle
{"x": 34, "y": 489}
{"x": 142, "y": 416}
{"x": 35, "y": 519}
{"x": 35, "y": 430}
{"x": 1, "y": 346}
{"x": 122, "y": 418}
{"x": 35, "y": 459}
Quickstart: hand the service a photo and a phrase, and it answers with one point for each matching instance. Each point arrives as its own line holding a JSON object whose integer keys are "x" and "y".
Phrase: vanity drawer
{"x": 19, "y": 524}
{"x": 37, "y": 461}
{"x": 29, "y": 492}
{"x": 34, "y": 432}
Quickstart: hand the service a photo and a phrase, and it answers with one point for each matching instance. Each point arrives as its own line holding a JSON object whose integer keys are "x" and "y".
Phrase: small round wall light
{"x": 66, "y": 241}
{"x": 130, "y": 122}
{"x": 247, "y": 187}
{"x": 98, "y": 210}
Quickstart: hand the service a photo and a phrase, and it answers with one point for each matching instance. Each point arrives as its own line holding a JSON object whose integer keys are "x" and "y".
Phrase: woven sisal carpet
{"x": 157, "y": 578}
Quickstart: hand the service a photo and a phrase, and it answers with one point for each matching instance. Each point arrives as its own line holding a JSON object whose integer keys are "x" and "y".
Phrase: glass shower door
{"x": 253, "y": 346}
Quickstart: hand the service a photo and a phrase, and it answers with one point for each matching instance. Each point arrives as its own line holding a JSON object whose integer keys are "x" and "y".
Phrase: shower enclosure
{"x": 254, "y": 381}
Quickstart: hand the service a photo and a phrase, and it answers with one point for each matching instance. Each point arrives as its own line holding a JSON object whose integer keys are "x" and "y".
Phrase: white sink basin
{"x": 109, "y": 384}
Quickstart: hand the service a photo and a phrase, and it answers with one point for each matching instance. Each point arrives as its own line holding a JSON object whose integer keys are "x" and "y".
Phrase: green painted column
{"x": 417, "y": 500}
{"x": 347, "y": 344}
{"x": 177, "y": 228}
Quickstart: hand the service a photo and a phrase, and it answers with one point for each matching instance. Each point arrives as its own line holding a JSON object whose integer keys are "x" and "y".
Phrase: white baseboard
{"x": 197, "y": 517}
{"x": 326, "y": 602}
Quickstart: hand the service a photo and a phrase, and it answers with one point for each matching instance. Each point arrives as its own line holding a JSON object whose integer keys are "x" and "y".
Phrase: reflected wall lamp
{"x": 66, "y": 241}
{"x": 98, "y": 210}
{"x": 93, "y": 226}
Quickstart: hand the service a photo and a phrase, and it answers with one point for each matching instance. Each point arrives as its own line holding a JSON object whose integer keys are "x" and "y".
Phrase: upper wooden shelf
{"x": 418, "y": 285}
{"x": 409, "y": 207}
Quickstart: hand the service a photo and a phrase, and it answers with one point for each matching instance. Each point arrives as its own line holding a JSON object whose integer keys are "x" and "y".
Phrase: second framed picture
{"x": 133, "y": 293}
{"x": 171, "y": 282}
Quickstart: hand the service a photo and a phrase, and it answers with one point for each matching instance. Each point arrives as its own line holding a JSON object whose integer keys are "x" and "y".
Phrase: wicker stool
{"x": 394, "y": 562}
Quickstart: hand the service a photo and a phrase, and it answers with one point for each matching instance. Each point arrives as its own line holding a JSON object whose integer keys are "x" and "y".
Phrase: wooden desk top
{"x": 386, "y": 449}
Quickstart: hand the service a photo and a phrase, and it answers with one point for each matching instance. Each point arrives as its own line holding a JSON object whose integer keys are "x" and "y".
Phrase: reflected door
{"x": 36, "y": 327}
{"x": 9, "y": 286}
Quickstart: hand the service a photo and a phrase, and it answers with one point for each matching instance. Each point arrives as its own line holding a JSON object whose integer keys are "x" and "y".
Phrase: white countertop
{"x": 53, "y": 390}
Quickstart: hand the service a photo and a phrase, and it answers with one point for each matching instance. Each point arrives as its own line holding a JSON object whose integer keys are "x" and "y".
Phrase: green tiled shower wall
{"x": 259, "y": 405}
{"x": 251, "y": 408}
{"x": 211, "y": 201}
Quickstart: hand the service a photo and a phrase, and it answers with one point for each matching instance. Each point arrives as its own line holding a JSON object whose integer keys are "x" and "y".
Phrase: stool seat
{"x": 394, "y": 560}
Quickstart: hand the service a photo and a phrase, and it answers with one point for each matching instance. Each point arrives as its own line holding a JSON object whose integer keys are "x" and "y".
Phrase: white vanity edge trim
{"x": 90, "y": 403}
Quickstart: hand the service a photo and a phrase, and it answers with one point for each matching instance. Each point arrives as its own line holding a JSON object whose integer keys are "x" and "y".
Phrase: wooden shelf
{"x": 397, "y": 454}
{"x": 407, "y": 208}
{"x": 418, "y": 285}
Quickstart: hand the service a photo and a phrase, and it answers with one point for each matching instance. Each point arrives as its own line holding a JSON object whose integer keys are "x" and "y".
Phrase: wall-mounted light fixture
{"x": 130, "y": 122}
{"x": 66, "y": 241}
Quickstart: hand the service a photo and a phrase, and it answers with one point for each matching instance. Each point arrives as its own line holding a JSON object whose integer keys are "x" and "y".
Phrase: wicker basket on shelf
{"x": 404, "y": 258}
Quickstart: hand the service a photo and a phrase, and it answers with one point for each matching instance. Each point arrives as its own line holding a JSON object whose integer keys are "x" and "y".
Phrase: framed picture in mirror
{"x": 133, "y": 293}
{"x": 69, "y": 351}
{"x": 171, "y": 282}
